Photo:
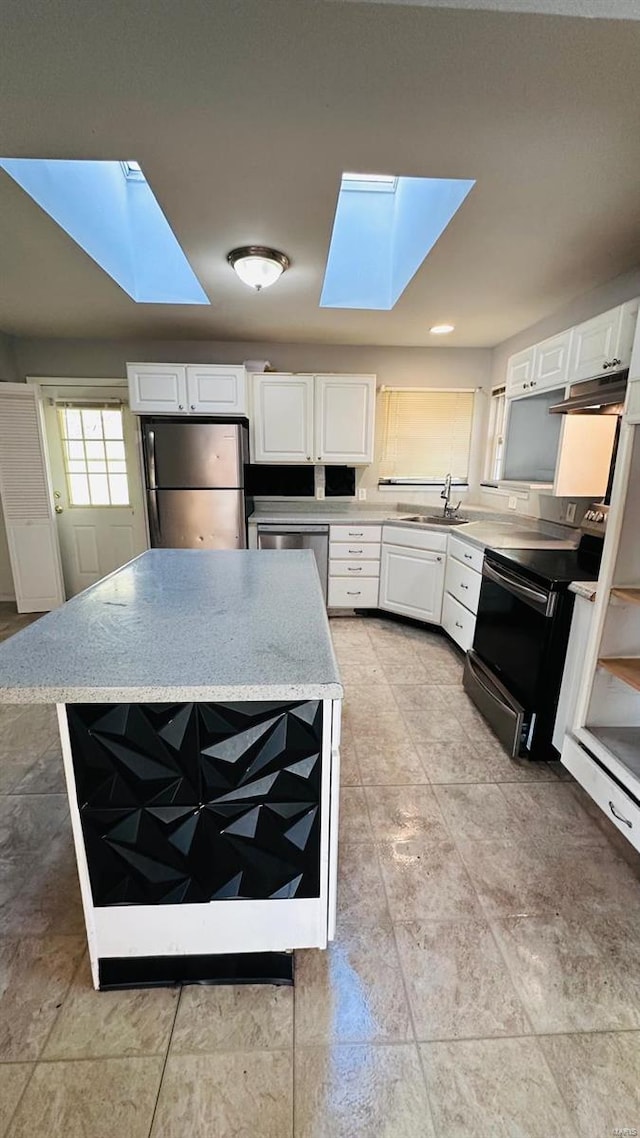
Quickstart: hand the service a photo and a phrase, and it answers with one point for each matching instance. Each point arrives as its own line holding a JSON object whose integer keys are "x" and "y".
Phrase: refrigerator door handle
{"x": 151, "y": 457}
{"x": 154, "y": 517}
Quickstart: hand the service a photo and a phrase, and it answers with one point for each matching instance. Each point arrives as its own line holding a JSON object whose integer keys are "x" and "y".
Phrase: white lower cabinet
{"x": 354, "y": 566}
{"x": 620, "y": 808}
{"x": 412, "y": 582}
{"x": 458, "y": 622}
{"x": 346, "y": 593}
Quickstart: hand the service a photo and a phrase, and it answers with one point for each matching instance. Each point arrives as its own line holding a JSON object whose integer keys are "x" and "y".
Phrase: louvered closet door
{"x": 26, "y": 501}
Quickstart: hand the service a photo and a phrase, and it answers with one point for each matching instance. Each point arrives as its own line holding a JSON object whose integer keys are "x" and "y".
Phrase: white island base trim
{"x": 219, "y": 927}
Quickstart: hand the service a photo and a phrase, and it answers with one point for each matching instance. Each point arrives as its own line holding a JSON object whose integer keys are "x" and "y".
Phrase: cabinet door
{"x": 412, "y": 582}
{"x": 520, "y": 372}
{"x": 216, "y": 390}
{"x": 594, "y": 345}
{"x": 344, "y": 418}
{"x": 551, "y": 361}
{"x": 282, "y": 418}
{"x": 157, "y": 388}
{"x": 584, "y": 456}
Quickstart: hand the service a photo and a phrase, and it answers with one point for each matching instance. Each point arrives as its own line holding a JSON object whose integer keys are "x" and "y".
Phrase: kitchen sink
{"x": 436, "y": 520}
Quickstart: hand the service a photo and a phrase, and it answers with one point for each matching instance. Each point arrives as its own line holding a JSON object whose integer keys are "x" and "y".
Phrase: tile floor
{"x": 484, "y": 983}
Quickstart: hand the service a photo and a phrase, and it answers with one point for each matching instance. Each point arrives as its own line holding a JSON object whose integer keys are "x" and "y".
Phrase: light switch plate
{"x": 513, "y": 503}
{"x": 362, "y": 494}
{"x": 571, "y": 512}
{"x": 319, "y": 493}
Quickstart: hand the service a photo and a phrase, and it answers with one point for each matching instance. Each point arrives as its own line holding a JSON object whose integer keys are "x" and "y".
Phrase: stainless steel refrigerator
{"x": 194, "y": 473}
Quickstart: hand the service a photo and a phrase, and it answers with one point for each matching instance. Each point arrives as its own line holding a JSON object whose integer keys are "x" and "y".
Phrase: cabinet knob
{"x": 318, "y": 458}
{"x": 193, "y": 406}
{"x": 308, "y": 458}
{"x": 616, "y": 363}
{"x": 526, "y": 385}
{"x": 533, "y": 383}
{"x": 458, "y": 624}
{"x": 180, "y": 406}
{"x": 438, "y": 559}
{"x": 605, "y": 365}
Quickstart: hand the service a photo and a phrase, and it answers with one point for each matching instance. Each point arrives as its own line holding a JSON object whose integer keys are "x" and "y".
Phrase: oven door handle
{"x": 535, "y": 598}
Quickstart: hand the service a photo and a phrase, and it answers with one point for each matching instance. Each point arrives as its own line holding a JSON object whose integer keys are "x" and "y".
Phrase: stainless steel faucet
{"x": 448, "y": 511}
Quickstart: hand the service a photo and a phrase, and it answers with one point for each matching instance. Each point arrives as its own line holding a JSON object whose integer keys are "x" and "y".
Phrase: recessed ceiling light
{"x": 442, "y": 329}
{"x": 257, "y": 266}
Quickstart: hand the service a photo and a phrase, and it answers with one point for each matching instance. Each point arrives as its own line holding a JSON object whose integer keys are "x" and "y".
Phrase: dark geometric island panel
{"x": 199, "y": 802}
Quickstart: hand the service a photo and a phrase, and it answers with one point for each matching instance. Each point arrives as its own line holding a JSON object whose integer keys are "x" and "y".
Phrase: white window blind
{"x": 426, "y": 433}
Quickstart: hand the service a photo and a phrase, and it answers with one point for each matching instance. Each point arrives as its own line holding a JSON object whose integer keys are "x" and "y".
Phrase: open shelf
{"x": 623, "y": 742}
{"x": 626, "y": 668}
{"x": 629, "y": 595}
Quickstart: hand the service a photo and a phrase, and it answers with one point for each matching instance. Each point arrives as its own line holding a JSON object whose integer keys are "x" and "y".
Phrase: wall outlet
{"x": 571, "y": 512}
{"x": 513, "y": 502}
{"x": 362, "y": 494}
{"x": 319, "y": 493}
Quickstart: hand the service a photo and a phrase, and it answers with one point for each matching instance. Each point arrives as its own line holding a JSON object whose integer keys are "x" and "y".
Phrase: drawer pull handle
{"x": 463, "y": 586}
{"x": 352, "y": 569}
{"x": 468, "y": 556}
{"x": 620, "y": 817}
{"x": 355, "y": 534}
{"x": 458, "y": 625}
{"x": 355, "y": 551}
{"x": 356, "y": 593}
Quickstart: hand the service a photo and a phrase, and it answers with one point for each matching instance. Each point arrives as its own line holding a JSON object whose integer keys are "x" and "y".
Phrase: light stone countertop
{"x": 179, "y": 625}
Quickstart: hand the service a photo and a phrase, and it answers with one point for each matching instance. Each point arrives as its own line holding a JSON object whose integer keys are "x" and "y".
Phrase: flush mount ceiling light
{"x": 257, "y": 266}
{"x": 441, "y": 329}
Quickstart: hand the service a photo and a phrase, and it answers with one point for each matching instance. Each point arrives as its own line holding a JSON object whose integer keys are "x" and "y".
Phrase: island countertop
{"x": 180, "y": 626}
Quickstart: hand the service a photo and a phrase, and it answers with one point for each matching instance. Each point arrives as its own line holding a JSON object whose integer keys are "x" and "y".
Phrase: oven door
{"x": 514, "y": 617}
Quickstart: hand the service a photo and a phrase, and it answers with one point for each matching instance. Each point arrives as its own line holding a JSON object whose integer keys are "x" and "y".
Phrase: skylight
{"x": 110, "y": 211}
{"x": 383, "y": 229}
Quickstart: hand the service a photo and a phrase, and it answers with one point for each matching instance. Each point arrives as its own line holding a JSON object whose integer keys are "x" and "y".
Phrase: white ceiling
{"x": 244, "y": 113}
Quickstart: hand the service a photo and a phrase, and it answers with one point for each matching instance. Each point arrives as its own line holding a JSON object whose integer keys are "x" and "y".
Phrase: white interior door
{"x": 26, "y": 501}
{"x": 97, "y": 483}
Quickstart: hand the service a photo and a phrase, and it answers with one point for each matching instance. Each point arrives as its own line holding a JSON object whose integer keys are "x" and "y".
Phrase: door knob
{"x": 59, "y": 510}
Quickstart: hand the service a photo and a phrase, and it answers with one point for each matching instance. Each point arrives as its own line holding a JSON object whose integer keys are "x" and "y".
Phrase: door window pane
{"x": 94, "y": 456}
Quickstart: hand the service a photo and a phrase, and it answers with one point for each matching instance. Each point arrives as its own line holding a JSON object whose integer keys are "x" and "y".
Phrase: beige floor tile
{"x": 13, "y": 1079}
{"x": 461, "y": 762}
{"x": 600, "y": 1079}
{"x": 400, "y": 813}
{"x": 30, "y": 822}
{"x": 30, "y": 733}
{"x": 366, "y": 698}
{"x": 89, "y": 1099}
{"x": 361, "y": 1092}
{"x": 361, "y": 895}
{"x": 353, "y": 992}
{"x": 354, "y": 815}
{"x": 548, "y": 811}
{"x": 13, "y": 877}
{"x": 565, "y": 982}
{"x": 435, "y": 726}
{"x": 349, "y": 768}
{"x": 417, "y": 697}
{"x": 248, "y": 1017}
{"x": 356, "y": 653}
{"x": 426, "y": 880}
{"x": 498, "y": 1088}
{"x": 407, "y": 674}
{"x": 457, "y": 982}
{"x": 45, "y": 776}
{"x": 231, "y": 1094}
{"x": 97, "y": 1025}
{"x": 13, "y": 768}
{"x": 529, "y": 877}
{"x": 388, "y": 761}
{"x": 476, "y": 813}
{"x": 35, "y": 975}
{"x": 362, "y": 674}
{"x": 48, "y": 902}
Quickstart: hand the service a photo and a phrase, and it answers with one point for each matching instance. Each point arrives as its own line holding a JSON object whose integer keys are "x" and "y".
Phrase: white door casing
{"x": 25, "y": 490}
{"x": 95, "y": 540}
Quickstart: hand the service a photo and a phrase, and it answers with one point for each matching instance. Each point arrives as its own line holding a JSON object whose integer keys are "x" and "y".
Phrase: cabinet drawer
{"x": 347, "y": 594}
{"x": 468, "y": 554}
{"x": 346, "y": 550}
{"x": 355, "y": 533}
{"x": 619, "y": 807}
{"x": 458, "y": 622}
{"x": 463, "y": 584}
{"x": 354, "y": 569}
{"x": 415, "y": 538}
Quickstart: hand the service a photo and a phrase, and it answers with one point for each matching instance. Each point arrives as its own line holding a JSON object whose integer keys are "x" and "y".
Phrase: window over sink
{"x": 426, "y": 434}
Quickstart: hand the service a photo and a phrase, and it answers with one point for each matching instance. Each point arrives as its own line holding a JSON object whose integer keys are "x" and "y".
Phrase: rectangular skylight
{"x": 110, "y": 211}
{"x": 380, "y": 239}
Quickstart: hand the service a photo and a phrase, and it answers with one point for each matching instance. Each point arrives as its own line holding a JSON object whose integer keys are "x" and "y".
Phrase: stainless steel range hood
{"x": 602, "y": 395}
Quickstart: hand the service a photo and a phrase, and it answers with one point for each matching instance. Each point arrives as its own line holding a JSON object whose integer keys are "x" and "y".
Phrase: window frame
{"x": 61, "y": 407}
{"x": 426, "y": 482}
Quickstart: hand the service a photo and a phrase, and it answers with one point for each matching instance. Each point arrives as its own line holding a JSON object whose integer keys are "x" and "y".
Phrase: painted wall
{"x": 8, "y": 368}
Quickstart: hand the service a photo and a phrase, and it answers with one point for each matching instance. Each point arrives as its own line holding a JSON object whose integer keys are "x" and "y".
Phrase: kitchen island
{"x": 199, "y": 709}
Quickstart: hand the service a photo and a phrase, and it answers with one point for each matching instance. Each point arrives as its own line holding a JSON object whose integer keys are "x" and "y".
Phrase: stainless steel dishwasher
{"x": 291, "y": 536}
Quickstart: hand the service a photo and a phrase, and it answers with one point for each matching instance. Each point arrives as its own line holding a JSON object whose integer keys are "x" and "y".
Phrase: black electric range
{"x": 514, "y": 671}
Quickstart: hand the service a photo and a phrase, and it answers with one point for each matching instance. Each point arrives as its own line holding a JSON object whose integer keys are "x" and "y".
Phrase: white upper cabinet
{"x": 603, "y": 343}
{"x": 216, "y": 390}
{"x": 551, "y": 362}
{"x": 282, "y": 418}
{"x": 519, "y": 372}
{"x": 319, "y": 419}
{"x": 176, "y": 389}
{"x": 344, "y": 418}
{"x": 157, "y": 388}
